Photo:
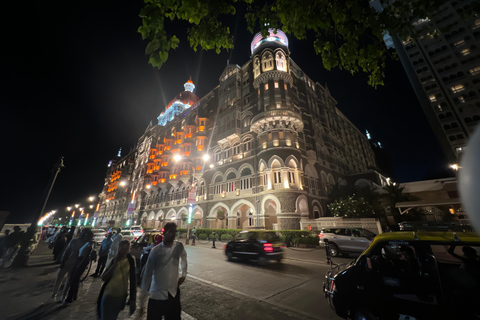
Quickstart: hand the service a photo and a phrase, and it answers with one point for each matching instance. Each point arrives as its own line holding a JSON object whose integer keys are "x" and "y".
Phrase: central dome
{"x": 259, "y": 41}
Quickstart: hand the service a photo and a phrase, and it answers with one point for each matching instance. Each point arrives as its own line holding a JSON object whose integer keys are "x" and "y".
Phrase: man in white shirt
{"x": 161, "y": 276}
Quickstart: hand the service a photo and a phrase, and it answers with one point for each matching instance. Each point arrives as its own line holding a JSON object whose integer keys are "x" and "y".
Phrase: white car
{"x": 127, "y": 235}
{"x": 345, "y": 240}
{"x": 137, "y": 230}
{"x": 98, "y": 235}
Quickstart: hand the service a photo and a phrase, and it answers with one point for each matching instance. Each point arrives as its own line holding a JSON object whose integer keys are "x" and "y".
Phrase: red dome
{"x": 185, "y": 97}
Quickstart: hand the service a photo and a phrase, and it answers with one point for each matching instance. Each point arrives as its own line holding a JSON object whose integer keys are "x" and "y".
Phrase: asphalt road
{"x": 290, "y": 290}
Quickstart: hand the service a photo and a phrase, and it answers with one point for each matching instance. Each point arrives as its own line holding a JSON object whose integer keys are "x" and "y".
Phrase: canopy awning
{"x": 425, "y": 203}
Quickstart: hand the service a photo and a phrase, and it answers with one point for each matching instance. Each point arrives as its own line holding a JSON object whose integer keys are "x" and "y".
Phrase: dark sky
{"x": 75, "y": 82}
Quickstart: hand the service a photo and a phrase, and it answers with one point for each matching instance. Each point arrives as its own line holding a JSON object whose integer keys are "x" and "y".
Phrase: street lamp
{"x": 23, "y": 254}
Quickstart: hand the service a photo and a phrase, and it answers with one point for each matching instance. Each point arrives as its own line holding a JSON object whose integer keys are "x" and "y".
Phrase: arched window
{"x": 231, "y": 184}
{"x": 246, "y": 181}
{"x": 281, "y": 61}
{"x": 267, "y": 61}
{"x": 218, "y": 188}
{"x": 237, "y": 148}
{"x": 256, "y": 67}
{"x": 250, "y": 219}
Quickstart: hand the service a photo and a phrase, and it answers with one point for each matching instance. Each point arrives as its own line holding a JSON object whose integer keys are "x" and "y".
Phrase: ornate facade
{"x": 262, "y": 150}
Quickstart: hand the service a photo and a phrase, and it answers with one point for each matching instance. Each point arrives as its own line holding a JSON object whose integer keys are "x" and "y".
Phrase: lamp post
{"x": 23, "y": 254}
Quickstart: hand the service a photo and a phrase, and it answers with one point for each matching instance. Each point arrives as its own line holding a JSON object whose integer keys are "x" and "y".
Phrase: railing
{"x": 276, "y": 113}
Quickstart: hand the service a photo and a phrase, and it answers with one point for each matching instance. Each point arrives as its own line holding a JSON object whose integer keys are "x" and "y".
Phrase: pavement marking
{"x": 261, "y": 300}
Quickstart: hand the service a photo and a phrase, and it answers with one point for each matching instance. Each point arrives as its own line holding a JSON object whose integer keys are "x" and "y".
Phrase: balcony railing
{"x": 276, "y": 113}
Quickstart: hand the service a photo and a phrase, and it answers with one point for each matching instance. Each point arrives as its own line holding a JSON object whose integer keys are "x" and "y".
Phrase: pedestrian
{"x": 103, "y": 255}
{"x": 67, "y": 262}
{"x": 116, "y": 238}
{"x": 160, "y": 278}
{"x": 118, "y": 274}
{"x": 194, "y": 231}
{"x": 213, "y": 240}
{"x": 82, "y": 260}
{"x": 3, "y": 241}
{"x": 59, "y": 246}
{"x": 11, "y": 244}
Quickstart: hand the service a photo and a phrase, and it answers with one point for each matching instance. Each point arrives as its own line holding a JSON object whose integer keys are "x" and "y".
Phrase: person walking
{"x": 11, "y": 244}
{"x": 103, "y": 255}
{"x": 82, "y": 260}
{"x": 67, "y": 262}
{"x": 194, "y": 231}
{"x": 160, "y": 278}
{"x": 120, "y": 280}
{"x": 59, "y": 246}
{"x": 213, "y": 241}
{"x": 116, "y": 238}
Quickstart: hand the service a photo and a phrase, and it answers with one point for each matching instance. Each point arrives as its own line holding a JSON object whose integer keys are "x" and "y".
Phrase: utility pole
{"x": 23, "y": 254}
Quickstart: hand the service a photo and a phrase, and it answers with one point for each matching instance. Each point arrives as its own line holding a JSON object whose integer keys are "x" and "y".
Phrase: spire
{"x": 189, "y": 86}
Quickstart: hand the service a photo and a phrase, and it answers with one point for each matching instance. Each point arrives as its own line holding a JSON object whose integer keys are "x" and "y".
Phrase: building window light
{"x": 457, "y": 88}
{"x": 432, "y": 98}
{"x": 475, "y": 71}
{"x": 276, "y": 84}
{"x": 465, "y": 52}
{"x": 279, "y": 105}
{"x": 266, "y": 86}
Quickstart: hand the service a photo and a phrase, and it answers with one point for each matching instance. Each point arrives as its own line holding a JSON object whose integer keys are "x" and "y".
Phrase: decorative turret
{"x": 180, "y": 103}
{"x": 189, "y": 86}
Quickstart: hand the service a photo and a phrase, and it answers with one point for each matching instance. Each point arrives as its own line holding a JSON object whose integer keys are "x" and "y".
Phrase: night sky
{"x": 75, "y": 82}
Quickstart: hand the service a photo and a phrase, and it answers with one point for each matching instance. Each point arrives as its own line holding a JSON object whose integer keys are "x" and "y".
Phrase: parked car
{"x": 411, "y": 275}
{"x": 137, "y": 230}
{"x": 346, "y": 240}
{"x": 127, "y": 235}
{"x": 99, "y": 235}
{"x": 256, "y": 245}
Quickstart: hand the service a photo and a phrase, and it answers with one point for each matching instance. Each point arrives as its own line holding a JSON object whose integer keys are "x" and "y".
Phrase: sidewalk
{"x": 26, "y": 292}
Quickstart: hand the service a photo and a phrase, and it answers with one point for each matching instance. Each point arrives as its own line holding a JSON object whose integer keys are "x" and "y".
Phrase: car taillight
{"x": 320, "y": 235}
{"x": 268, "y": 247}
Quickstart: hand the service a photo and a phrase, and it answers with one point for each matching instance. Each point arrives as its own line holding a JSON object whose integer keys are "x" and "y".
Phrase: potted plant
{"x": 221, "y": 214}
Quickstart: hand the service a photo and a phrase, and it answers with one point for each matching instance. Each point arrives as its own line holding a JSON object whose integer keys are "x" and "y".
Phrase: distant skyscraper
{"x": 443, "y": 65}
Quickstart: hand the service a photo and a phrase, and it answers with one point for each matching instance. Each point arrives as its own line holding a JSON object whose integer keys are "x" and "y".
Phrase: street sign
{"x": 192, "y": 193}
{"x": 131, "y": 207}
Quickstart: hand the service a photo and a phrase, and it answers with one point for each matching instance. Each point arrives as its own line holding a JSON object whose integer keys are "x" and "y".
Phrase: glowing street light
{"x": 455, "y": 167}
{"x": 91, "y": 198}
{"x": 177, "y": 157}
{"x": 206, "y": 157}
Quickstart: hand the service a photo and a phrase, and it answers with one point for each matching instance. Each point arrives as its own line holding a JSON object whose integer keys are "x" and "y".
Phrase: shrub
{"x": 202, "y": 236}
{"x": 288, "y": 236}
{"x": 226, "y": 236}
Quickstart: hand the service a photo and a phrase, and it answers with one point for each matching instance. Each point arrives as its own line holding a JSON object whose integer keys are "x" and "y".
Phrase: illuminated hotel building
{"x": 262, "y": 148}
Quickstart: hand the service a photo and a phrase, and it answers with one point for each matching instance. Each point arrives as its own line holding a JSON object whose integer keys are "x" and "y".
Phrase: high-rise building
{"x": 443, "y": 65}
{"x": 261, "y": 149}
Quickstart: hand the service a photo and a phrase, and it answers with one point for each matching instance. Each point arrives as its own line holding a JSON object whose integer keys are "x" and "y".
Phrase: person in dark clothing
{"x": 59, "y": 246}
{"x": 103, "y": 255}
{"x": 79, "y": 267}
{"x": 11, "y": 244}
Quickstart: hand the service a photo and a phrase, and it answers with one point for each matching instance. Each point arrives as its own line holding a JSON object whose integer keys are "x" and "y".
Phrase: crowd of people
{"x": 73, "y": 249}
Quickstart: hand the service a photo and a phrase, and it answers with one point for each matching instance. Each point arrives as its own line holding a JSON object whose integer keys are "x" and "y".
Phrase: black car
{"x": 256, "y": 245}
